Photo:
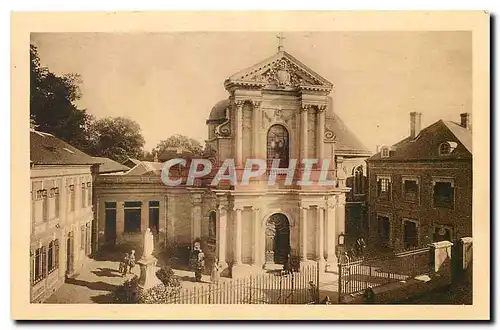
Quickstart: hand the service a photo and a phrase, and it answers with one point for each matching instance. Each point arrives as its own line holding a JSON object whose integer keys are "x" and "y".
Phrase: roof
{"x": 426, "y": 145}
{"x": 132, "y": 161}
{"x": 145, "y": 167}
{"x": 347, "y": 143}
{"x": 269, "y": 72}
{"x": 46, "y": 149}
{"x": 172, "y": 153}
{"x": 108, "y": 165}
{"x": 219, "y": 110}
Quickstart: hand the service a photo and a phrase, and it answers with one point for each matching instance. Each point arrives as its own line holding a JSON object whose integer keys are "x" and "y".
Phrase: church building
{"x": 278, "y": 109}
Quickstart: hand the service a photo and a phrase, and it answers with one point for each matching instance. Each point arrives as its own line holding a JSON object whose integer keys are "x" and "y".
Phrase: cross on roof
{"x": 280, "y": 41}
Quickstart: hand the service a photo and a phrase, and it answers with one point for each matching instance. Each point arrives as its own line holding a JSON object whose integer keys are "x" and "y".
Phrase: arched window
{"x": 212, "y": 225}
{"x": 358, "y": 180}
{"x": 278, "y": 146}
{"x": 444, "y": 149}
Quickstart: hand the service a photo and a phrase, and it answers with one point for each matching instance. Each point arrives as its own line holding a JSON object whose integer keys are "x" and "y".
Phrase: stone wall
{"x": 459, "y": 217}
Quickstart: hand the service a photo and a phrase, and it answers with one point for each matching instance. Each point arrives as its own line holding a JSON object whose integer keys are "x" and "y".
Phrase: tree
{"x": 117, "y": 138}
{"x": 52, "y": 104}
{"x": 178, "y": 141}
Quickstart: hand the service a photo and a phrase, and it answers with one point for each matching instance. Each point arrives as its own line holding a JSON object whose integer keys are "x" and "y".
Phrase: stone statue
{"x": 148, "y": 244}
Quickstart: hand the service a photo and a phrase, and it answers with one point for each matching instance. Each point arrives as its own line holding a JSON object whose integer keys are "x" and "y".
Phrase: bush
{"x": 128, "y": 292}
{"x": 131, "y": 293}
{"x": 167, "y": 277}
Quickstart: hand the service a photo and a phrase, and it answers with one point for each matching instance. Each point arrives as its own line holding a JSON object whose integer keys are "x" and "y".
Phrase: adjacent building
{"x": 61, "y": 212}
{"x": 278, "y": 109}
{"x": 420, "y": 189}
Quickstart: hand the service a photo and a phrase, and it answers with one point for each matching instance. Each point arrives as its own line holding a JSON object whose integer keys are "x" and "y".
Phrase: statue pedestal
{"x": 148, "y": 278}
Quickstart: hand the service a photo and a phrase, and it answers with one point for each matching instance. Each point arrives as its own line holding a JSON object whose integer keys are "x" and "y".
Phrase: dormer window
{"x": 447, "y": 148}
{"x": 385, "y": 152}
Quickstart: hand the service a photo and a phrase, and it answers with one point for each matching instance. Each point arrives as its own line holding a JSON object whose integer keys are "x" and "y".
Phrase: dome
{"x": 219, "y": 110}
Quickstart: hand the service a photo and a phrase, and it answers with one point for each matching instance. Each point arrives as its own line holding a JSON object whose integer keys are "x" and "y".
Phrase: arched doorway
{"x": 277, "y": 239}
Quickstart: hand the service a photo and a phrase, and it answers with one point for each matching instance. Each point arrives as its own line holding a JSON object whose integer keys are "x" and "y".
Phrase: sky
{"x": 169, "y": 82}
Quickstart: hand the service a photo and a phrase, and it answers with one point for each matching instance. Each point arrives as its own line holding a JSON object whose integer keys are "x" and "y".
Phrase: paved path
{"x": 98, "y": 279}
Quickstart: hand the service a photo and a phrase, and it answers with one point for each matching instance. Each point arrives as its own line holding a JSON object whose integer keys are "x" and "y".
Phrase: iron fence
{"x": 356, "y": 275}
{"x": 271, "y": 288}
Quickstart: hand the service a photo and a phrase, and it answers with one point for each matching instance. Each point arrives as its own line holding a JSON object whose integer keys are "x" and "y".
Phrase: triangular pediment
{"x": 282, "y": 71}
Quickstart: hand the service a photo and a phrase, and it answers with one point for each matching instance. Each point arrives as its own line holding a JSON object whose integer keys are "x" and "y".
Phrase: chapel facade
{"x": 277, "y": 110}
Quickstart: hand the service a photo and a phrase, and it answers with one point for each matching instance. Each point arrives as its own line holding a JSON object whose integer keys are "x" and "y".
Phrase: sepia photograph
{"x": 280, "y": 166}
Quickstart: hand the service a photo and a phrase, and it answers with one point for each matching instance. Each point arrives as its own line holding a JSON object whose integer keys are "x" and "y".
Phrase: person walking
{"x": 124, "y": 264}
{"x": 215, "y": 273}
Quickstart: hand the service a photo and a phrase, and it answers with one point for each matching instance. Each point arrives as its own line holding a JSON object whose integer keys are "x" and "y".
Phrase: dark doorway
{"x": 410, "y": 233}
{"x": 110, "y": 230}
{"x": 278, "y": 239}
{"x": 384, "y": 230}
{"x": 154, "y": 217}
{"x": 69, "y": 254}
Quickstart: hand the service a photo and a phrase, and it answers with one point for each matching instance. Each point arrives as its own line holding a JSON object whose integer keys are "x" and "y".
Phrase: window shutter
{"x": 56, "y": 253}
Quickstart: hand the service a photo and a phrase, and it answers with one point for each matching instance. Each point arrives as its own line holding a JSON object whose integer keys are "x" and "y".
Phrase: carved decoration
{"x": 224, "y": 129}
{"x": 256, "y": 103}
{"x": 283, "y": 74}
{"x": 329, "y": 135}
{"x": 276, "y": 115}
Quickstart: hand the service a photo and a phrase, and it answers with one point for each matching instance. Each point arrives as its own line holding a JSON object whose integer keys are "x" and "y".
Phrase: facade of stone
{"x": 276, "y": 110}
{"x": 420, "y": 189}
{"x": 61, "y": 212}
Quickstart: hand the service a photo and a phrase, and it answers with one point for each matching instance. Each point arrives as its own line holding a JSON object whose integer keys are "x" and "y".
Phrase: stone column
{"x": 256, "y": 236}
{"x": 222, "y": 234}
{"x": 341, "y": 175}
{"x": 320, "y": 133}
{"x": 303, "y": 231}
{"x": 321, "y": 234}
{"x": 255, "y": 128}
{"x": 303, "y": 132}
{"x": 195, "y": 217}
{"x": 144, "y": 215}
{"x": 340, "y": 214}
{"x": 237, "y": 238}
{"x": 440, "y": 256}
{"x": 238, "y": 133}
{"x": 331, "y": 235}
{"x": 120, "y": 220}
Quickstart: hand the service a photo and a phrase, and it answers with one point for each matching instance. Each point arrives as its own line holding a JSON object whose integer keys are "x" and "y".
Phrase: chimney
{"x": 465, "y": 120}
{"x": 415, "y": 124}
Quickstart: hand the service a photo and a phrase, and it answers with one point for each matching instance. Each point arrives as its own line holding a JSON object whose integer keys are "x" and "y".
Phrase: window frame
{"x": 287, "y": 137}
{"x": 417, "y": 225}
{"x": 381, "y": 197}
{"x": 72, "y": 197}
{"x": 451, "y": 181}
{"x": 39, "y": 265}
{"x": 405, "y": 178}
{"x": 435, "y": 227}
{"x": 385, "y": 152}
{"x": 83, "y": 197}
{"x": 133, "y": 205}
